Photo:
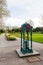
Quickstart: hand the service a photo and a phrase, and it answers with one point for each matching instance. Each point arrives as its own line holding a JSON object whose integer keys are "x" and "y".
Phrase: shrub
{"x": 10, "y": 36}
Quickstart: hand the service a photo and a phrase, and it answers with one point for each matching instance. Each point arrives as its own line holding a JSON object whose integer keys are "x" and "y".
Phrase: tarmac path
{"x": 8, "y": 56}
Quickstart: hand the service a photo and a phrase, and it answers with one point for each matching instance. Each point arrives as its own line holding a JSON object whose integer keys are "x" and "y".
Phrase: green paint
{"x": 25, "y": 30}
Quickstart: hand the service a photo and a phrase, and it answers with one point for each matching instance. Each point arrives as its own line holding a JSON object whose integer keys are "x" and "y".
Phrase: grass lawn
{"x": 36, "y": 37}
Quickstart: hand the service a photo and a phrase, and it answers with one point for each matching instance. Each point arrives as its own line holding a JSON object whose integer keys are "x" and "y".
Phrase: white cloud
{"x": 14, "y": 22}
{"x": 18, "y": 22}
{"x": 32, "y": 7}
{"x": 21, "y": 9}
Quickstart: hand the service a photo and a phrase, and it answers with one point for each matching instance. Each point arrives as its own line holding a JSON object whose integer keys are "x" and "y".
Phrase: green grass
{"x": 17, "y": 34}
{"x": 36, "y": 37}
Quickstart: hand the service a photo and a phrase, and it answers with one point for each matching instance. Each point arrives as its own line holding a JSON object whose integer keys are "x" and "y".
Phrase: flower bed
{"x": 10, "y": 36}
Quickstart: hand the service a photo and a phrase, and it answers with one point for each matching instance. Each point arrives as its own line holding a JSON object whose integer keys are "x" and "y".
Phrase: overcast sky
{"x": 22, "y": 10}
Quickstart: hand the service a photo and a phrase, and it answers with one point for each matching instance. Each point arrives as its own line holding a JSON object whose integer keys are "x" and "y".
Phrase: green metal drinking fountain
{"x": 26, "y": 42}
{"x": 26, "y": 38}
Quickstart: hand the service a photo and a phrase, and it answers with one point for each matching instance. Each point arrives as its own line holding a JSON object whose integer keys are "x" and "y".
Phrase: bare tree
{"x": 30, "y": 22}
{"x": 4, "y": 12}
{"x": 42, "y": 20}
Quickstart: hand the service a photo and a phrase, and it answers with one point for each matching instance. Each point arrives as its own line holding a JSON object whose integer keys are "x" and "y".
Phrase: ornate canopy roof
{"x": 26, "y": 26}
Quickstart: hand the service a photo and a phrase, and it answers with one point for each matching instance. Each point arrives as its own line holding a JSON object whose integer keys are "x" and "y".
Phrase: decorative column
{"x": 28, "y": 38}
{"x": 21, "y": 40}
{"x": 31, "y": 37}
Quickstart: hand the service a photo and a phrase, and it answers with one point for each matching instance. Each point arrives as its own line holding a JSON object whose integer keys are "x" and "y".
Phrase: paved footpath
{"x": 8, "y": 56}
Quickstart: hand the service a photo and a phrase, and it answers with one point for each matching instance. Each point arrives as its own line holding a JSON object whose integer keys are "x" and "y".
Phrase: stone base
{"x": 27, "y": 54}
